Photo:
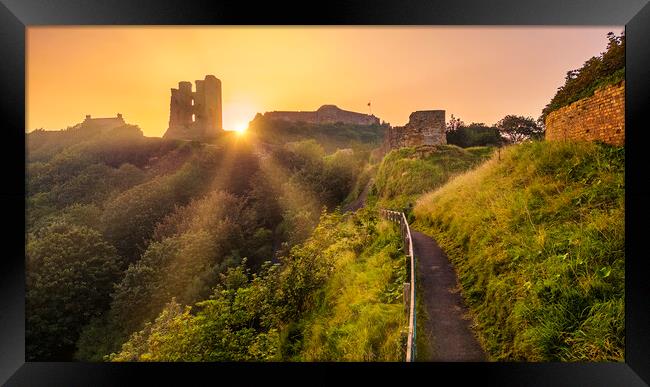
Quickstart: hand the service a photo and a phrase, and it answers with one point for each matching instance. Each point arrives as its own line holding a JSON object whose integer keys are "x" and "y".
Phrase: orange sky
{"x": 479, "y": 74}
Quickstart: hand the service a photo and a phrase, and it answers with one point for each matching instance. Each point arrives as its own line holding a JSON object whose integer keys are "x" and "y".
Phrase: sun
{"x": 241, "y": 128}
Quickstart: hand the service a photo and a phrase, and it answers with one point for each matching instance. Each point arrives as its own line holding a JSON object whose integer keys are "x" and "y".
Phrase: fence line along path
{"x": 445, "y": 326}
{"x": 400, "y": 218}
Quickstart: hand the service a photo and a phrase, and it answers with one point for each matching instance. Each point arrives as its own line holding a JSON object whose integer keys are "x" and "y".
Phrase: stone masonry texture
{"x": 600, "y": 117}
{"x": 195, "y": 115}
{"x": 425, "y": 127}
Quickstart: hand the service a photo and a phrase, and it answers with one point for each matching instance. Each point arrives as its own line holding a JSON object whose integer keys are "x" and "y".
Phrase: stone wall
{"x": 425, "y": 127}
{"x": 326, "y": 114}
{"x": 600, "y": 117}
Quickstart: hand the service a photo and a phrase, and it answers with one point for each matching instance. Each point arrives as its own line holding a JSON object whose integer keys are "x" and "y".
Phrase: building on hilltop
{"x": 195, "y": 115}
{"x": 326, "y": 114}
{"x": 109, "y": 126}
{"x": 425, "y": 127}
{"x": 101, "y": 124}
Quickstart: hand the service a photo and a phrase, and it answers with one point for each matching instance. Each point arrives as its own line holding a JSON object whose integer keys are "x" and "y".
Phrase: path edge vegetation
{"x": 537, "y": 239}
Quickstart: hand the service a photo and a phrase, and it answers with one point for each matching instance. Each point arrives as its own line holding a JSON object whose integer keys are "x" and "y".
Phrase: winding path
{"x": 444, "y": 328}
{"x": 361, "y": 200}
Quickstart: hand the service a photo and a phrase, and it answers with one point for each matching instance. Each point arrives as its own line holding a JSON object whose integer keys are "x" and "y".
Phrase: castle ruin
{"x": 326, "y": 114}
{"x": 425, "y": 127}
{"x": 195, "y": 115}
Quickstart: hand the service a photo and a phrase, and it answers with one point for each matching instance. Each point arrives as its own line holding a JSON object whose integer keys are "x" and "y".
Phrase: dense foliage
{"x": 70, "y": 273}
{"x": 605, "y": 69}
{"x": 298, "y": 309}
{"x": 538, "y": 241}
{"x": 137, "y": 222}
{"x": 516, "y": 129}
{"x": 511, "y": 129}
{"x": 474, "y": 134}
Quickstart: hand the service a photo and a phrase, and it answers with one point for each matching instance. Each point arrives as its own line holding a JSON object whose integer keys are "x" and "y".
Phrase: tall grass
{"x": 406, "y": 173}
{"x": 361, "y": 315}
{"x": 538, "y": 239}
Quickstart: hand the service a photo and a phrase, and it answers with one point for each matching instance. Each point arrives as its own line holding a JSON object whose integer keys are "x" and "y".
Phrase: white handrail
{"x": 400, "y": 218}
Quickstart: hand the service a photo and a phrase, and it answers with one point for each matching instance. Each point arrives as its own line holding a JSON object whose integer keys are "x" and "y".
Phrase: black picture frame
{"x": 16, "y": 15}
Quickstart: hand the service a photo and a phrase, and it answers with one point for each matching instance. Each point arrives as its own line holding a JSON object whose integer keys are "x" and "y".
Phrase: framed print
{"x": 382, "y": 190}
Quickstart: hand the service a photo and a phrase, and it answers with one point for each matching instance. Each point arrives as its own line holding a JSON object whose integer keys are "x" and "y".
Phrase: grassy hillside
{"x": 166, "y": 222}
{"x": 406, "y": 173}
{"x": 537, "y": 239}
{"x": 159, "y": 219}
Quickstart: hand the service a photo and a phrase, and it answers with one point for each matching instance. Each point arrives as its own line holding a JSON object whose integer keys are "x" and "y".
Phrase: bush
{"x": 606, "y": 69}
{"x": 474, "y": 135}
{"x": 70, "y": 273}
{"x": 129, "y": 219}
{"x": 273, "y": 315}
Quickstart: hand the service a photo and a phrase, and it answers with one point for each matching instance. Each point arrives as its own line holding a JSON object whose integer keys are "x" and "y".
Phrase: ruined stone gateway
{"x": 425, "y": 127}
{"x": 195, "y": 115}
{"x": 326, "y": 114}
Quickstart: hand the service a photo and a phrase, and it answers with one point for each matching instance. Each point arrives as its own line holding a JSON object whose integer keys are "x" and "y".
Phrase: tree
{"x": 518, "y": 128}
{"x": 70, "y": 273}
{"x": 453, "y": 124}
{"x": 475, "y": 134}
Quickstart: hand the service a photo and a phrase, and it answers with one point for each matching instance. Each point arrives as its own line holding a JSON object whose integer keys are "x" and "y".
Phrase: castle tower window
{"x": 193, "y": 118}
{"x": 192, "y": 102}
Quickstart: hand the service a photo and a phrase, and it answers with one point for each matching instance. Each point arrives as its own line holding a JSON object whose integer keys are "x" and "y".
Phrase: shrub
{"x": 606, "y": 69}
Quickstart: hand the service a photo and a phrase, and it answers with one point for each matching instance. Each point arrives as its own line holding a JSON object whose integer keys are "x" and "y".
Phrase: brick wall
{"x": 600, "y": 117}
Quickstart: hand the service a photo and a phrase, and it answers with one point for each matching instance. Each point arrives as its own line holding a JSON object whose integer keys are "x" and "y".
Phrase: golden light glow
{"x": 479, "y": 74}
{"x": 241, "y": 128}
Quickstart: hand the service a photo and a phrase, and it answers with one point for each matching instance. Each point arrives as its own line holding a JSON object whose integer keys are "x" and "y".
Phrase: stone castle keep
{"x": 195, "y": 115}
{"x": 425, "y": 127}
{"x": 326, "y": 114}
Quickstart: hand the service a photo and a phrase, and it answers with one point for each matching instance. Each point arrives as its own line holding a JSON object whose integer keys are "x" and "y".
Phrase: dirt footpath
{"x": 445, "y": 327}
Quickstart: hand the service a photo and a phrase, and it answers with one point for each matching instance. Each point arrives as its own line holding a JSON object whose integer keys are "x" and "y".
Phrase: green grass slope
{"x": 406, "y": 173}
{"x": 360, "y": 314}
{"x": 537, "y": 239}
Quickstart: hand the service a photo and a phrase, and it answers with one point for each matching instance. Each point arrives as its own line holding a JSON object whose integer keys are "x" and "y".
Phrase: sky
{"x": 479, "y": 74}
